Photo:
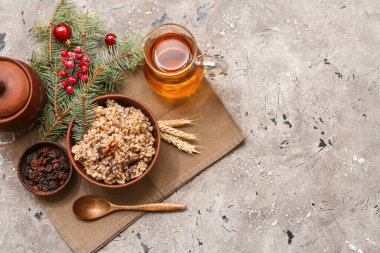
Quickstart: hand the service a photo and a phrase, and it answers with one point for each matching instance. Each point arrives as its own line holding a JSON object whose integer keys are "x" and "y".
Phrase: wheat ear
{"x": 179, "y": 143}
{"x": 176, "y": 122}
{"x": 178, "y": 133}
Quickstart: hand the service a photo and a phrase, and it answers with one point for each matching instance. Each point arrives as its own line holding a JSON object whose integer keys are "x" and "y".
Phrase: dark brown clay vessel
{"x": 124, "y": 101}
{"x": 22, "y": 95}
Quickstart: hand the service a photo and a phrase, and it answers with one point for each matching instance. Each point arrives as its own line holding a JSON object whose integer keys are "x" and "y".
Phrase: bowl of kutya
{"x": 121, "y": 146}
{"x": 44, "y": 168}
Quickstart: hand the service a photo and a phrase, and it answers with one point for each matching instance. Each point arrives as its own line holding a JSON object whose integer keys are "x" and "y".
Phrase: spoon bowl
{"x": 91, "y": 207}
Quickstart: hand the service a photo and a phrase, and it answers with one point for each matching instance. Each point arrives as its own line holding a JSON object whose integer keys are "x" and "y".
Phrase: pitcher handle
{"x": 214, "y": 65}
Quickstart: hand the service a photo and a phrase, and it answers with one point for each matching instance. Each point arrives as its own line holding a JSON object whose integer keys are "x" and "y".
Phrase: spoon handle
{"x": 156, "y": 207}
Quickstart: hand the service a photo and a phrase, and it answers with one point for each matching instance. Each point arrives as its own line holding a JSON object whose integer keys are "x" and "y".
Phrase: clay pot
{"x": 22, "y": 95}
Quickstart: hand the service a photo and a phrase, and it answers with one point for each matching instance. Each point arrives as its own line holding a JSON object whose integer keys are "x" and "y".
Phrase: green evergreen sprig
{"x": 106, "y": 70}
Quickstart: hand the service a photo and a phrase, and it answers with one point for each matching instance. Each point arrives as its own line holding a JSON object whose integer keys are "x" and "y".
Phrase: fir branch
{"x": 97, "y": 72}
{"x": 85, "y": 17}
{"x": 41, "y": 27}
{"x": 55, "y": 123}
{"x": 50, "y": 46}
{"x": 59, "y": 117}
{"x": 84, "y": 112}
{"x": 62, "y": 8}
{"x": 100, "y": 69}
{"x": 84, "y": 116}
{"x": 123, "y": 56}
{"x": 50, "y": 124}
{"x": 55, "y": 91}
{"x": 51, "y": 23}
{"x": 51, "y": 31}
{"x": 106, "y": 70}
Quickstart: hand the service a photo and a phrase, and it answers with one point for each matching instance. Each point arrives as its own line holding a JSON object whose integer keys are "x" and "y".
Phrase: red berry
{"x": 79, "y": 74}
{"x": 85, "y": 68}
{"x": 64, "y": 61}
{"x": 81, "y": 64}
{"x": 69, "y": 89}
{"x": 64, "y": 84}
{"x": 70, "y": 55}
{"x": 63, "y": 73}
{"x": 86, "y": 58}
{"x": 71, "y": 79}
{"x": 85, "y": 78}
{"x": 77, "y": 50}
{"x": 70, "y": 64}
{"x": 64, "y": 53}
{"x": 79, "y": 56}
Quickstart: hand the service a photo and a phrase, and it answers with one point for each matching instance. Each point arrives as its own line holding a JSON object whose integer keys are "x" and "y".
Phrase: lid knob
{"x": 2, "y": 87}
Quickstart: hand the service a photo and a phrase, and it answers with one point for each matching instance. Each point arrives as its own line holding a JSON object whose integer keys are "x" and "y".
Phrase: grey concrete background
{"x": 303, "y": 84}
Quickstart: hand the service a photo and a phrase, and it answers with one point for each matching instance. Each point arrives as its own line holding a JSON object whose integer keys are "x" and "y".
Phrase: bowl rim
{"x": 27, "y": 151}
{"x": 93, "y": 181}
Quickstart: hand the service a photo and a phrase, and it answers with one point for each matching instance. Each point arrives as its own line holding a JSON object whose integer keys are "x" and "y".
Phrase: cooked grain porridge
{"x": 119, "y": 145}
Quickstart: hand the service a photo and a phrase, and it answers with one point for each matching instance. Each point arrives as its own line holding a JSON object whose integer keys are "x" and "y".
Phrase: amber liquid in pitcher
{"x": 171, "y": 55}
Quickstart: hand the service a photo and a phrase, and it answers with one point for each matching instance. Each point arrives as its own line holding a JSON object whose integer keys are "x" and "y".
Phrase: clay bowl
{"x": 22, "y": 163}
{"x": 123, "y": 101}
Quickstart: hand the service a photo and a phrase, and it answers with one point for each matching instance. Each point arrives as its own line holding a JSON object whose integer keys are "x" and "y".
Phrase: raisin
{"x": 53, "y": 185}
{"x": 30, "y": 158}
{"x": 34, "y": 163}
{"x": 32, "y": 175}
{"x": 44, "y": 188}
{"x": 38, "y": 178}
{"x": 25, "y": 172}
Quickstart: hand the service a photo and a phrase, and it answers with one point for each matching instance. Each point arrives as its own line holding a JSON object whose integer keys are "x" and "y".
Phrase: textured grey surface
{"x": 303, "y": 84}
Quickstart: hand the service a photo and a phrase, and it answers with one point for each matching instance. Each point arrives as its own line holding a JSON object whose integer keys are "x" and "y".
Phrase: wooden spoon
{"x": 92, "y": 207}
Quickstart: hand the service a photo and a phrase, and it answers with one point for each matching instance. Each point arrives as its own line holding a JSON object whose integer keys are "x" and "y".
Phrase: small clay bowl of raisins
{"x": 44, "y": 168}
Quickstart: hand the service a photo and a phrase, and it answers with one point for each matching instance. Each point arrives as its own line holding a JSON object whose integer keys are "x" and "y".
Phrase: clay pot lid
{"x": 14, "y": 87}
